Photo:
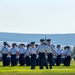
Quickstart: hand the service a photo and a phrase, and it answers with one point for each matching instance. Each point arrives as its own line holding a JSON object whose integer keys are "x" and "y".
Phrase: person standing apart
{"x": 41, "y": 51}
{"x": 50, "y": 52}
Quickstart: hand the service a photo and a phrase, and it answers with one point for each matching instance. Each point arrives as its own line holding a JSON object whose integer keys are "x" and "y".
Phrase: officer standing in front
{"x": 41, "y": 50}
{"x": 50, "y": 52}
{"x": 22, "y": 55}
{"x": 33, "y": 55}
{"x": 5, "y": 52}
{"x": 14, "y": 52}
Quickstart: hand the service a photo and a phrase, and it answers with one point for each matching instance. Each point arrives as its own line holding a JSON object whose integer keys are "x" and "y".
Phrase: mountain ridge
{"x": 64, "y": 39}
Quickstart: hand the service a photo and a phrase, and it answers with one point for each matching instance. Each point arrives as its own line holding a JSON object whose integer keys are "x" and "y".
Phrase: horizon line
{"x": 37, "y": 33}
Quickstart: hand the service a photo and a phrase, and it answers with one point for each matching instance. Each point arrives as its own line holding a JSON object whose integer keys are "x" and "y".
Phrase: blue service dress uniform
{"x": 37, "y": 57}
{"x": 54, "y": 57}
{"x": 27, "y": 57}
{"x": 5, "y": 51}
{"x": 68, "y": 57}
{"x": 22, "y": 56}
{"x": 41, "y": 51}
{"x": 9, "y": 56}
{"x": 33, "y": 57}
{"x": 58, "y": 59}
{"x": 50, "y": 55}
{"x": 13, "y": 52}
{"x": 63, "y": 57}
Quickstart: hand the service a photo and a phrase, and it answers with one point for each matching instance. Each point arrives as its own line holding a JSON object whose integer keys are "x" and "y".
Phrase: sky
{"x": 37, "y": 16}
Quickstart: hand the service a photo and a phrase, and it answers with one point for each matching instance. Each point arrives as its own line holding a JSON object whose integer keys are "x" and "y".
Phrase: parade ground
{"x": 24, "y": 70}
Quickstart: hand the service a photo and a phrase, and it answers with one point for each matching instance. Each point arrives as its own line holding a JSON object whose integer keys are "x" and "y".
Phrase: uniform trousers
{"x": 33, "y": 61}
{"x": 50, "y": 59}
{"x": 27, "y": 61}
{"x": 58, "y": 60}
{"x": 13, "y": 60}
{"x": 41, "y": 59}
{"x": 22, "y": 60}
{"x": 5, "y": 61}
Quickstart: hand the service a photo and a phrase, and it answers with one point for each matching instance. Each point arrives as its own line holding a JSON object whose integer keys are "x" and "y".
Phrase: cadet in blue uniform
{"x": 64, "y": 56}
{"x": 58, "y": 54}
{"x": 50, "y": 52}
{"x": 37, "y": 58}
{"x": 41, "y": 50}
{"x": 27, "y": 55}
{"x": 68, "y": 55}
{"x": 54, "y": 55}
{"x": 46, "y": 58}
{"x": 9, "y": 56}
{"x": 22, "y": 54}
{"x": 5, "y": 52}
{"x": 33, "y": 55}
{"x": 14, "y": 52}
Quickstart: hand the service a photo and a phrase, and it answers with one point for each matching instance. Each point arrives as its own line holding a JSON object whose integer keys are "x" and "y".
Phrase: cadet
{"x": 58, "y": 53}
{"x": 64, "y": 56}
{"x": 27, "y": 55}
{"x": 14, "y": 52}
{"x": 54, "y": 55}
{"x": 37, "y": 58}
{"x": 5, "y": 52}
{"x": 22, "y": 55}
{"x": 9, "y": 56}
{"x": 33, "y": 55}
{"x": 36, "y": 45}
{"x": 46, "y": 58}
{"x": 17, "y": 56}
{"x": 50, "y": 52}
{"x": 68, "y": 55}
{"x": 41, "y": 50}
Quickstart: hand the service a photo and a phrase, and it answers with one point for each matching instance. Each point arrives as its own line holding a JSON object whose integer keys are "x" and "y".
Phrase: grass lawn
{"x": 18, "y": 70}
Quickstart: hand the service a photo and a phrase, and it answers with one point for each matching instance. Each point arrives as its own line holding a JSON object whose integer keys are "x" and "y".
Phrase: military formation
{"x": 44, "y": 54}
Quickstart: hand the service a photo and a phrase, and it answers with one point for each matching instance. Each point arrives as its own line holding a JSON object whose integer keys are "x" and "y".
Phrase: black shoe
{"x": 50, "y": 67}
{"x": 46, "y": 67}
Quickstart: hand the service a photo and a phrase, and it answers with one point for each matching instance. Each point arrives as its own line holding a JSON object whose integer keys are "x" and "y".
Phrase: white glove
{"x": 37, "y": 56}
{"x": 0, "y": 55}
{"x": 9, "y": 56}
{"x": 29, "y": 56}
{"x": 54, "y": 56}
{"x": 24, "y": 55}
{"x": 17, "y": 56}
{"x": 46, "y": 57}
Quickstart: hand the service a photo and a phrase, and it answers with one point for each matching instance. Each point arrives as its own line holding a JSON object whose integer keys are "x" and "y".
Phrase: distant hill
{"x": 64, "y": 39}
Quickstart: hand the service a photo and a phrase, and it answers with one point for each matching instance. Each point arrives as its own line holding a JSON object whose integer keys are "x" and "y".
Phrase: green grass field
{"x": 18, "y": 70}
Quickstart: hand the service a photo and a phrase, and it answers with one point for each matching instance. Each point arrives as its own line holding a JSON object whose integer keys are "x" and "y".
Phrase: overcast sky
{"x": 37, "y": 16}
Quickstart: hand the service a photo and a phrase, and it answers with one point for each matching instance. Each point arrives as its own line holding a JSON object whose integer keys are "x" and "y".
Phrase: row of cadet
{"x": 35, "y": 55}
